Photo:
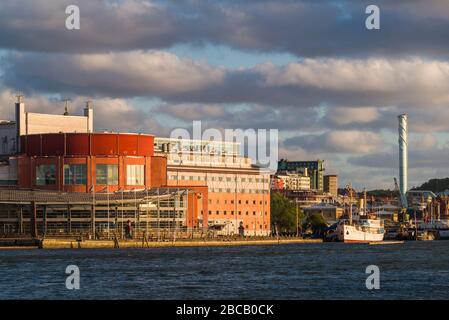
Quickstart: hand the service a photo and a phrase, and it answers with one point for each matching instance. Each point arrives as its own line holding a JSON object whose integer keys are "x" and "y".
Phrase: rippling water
{"x": 414, "y": 270}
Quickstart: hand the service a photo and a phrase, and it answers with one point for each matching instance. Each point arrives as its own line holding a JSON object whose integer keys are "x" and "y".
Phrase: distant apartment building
{"x": 290, "y": 181}
{"x": 276, "y": 183}
{"x": 314, "y": 169}
{"x": 331, "y": 184}
{"x": 238, "y": 192}
{"x": 308, "y": 198}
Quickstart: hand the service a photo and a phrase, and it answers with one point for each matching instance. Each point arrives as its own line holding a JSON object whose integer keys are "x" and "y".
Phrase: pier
{"x": 71, "y": 243}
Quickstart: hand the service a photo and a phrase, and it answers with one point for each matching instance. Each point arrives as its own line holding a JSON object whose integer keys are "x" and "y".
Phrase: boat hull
{"x": 352, "y": 234}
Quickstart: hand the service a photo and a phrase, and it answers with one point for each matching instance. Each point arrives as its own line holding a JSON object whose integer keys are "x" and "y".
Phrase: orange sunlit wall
{"x": 89, "y": 149}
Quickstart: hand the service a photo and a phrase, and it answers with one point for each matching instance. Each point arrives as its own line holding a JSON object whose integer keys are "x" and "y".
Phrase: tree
{"x": 435, "y": 185}
{"x": 283, "y": 213}
{"x": 315, "y": 222}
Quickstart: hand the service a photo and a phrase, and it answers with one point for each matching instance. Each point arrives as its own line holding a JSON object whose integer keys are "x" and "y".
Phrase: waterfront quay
{"x": 76, "y": 243}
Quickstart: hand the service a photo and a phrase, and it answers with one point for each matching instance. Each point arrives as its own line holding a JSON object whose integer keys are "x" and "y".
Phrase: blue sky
{"x": 309, "y": 69}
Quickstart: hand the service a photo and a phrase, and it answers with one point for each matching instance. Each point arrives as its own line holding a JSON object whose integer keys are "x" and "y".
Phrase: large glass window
{"x": 45, "y": 174}
{"x": 135, "y": 174}
{"x": 107, "y": 174}
{"x": 75, "y": 174}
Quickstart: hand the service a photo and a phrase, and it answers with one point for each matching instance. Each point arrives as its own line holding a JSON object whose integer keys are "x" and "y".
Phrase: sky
{"x": 309, "y": 68}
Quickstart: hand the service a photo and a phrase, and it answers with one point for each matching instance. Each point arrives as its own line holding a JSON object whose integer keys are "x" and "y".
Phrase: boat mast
{"x": 365, "y": 204}
{"x": 349, "y": 187}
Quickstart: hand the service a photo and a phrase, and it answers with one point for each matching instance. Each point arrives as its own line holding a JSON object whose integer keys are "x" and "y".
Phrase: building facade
{"x": 290, "y": 181}
{"x": 61, "y": 155}
{"x": 331, "y": 184}
{"x": 86, "y": 162}
{"x": 27, "y": 123}
{"x": 238, "y": 192}
{"x": 314, "y": 169}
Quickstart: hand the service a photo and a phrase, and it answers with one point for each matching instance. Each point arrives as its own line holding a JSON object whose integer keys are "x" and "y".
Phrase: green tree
{"x": 283, "y": 213}
{"x": 315, "y": 222}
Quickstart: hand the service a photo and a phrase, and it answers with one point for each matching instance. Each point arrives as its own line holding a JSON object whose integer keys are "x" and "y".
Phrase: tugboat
{"x": 366, "y": 229}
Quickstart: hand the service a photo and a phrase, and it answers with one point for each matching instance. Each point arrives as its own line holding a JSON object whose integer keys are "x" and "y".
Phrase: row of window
{"x": 206, "y": 178}
{"x": 228, "y": 190}
{"x": 76, "y": 174}
{"x": 240, "y": 201}
{"x": 232, "y": 213}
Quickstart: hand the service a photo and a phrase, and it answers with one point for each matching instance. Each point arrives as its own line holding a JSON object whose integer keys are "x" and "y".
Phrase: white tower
{"x": 403, "y": 156}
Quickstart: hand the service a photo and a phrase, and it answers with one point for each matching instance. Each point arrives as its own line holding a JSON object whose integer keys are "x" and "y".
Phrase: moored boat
{"x": 362, "y": 230}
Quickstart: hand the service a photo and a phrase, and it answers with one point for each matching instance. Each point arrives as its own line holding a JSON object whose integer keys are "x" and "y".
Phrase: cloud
{"x": 343, "y": 115}
{"x": 134, "y": 73}
{"x": 308, "y": 83}
{"x": 304, "y": 28}
{"x": 338, "y": 101}
{"x": 420, "y": 157}
{"x": 338, "y": 142}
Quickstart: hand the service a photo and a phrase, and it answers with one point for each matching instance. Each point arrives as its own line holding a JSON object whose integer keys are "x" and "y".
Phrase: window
{"x": 224, "y": 212}
{"x": 75, "y": 174}
{"x": 232, "y": 213}
{"x": 107, "y": 174}
{"x": 45, "y": 174}
{"x": 135, "y": 174}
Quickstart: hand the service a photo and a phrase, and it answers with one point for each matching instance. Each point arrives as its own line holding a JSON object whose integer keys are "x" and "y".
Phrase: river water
{"x": 413, "y": 270}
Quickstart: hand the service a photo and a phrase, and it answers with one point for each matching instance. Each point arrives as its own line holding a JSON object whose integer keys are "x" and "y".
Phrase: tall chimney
{"x": 20, "y": 116}
{"x": 403, "y": 156}
{"x": 89, "y": 113}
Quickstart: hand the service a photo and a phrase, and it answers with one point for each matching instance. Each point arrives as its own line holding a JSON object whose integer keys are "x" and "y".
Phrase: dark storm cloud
{"x": 304, "y": 28}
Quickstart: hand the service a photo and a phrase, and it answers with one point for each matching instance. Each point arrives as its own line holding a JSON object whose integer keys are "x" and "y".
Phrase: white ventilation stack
{"x": 403, "y": 156}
